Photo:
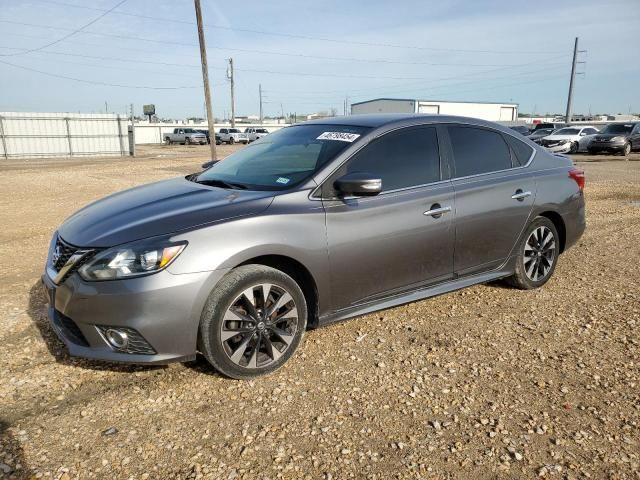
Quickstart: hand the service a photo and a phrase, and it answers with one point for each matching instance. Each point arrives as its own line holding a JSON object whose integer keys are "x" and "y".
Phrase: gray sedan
{"x": 313, "y": 224}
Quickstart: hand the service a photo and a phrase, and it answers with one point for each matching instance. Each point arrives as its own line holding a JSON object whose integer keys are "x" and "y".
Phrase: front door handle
{"x": 437, "y": 210}
{"x": 520, "y": 195}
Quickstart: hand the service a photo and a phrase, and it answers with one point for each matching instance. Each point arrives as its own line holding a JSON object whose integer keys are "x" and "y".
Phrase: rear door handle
{"x": 437, "y": 210}
{"x": 520, "y": 195}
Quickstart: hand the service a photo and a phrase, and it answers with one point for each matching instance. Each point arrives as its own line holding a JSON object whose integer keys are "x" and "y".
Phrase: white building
{"x": 505, "y": 112}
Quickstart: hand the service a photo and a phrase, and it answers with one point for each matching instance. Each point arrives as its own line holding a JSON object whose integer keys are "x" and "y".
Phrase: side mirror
{"x": 359, "y": 184}
{"x": 209, "y": 164}
{"x": 583, "y": 134}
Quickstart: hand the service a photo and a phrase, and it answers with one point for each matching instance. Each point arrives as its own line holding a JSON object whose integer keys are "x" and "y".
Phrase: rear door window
{"x": 478, "y": 150}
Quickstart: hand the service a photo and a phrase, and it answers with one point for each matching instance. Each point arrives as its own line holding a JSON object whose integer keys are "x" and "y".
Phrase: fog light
{"x": 117, "y": 338}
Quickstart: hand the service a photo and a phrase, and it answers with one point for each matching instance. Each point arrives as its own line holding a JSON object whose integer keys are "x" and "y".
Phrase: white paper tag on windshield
{"x": 340, "y": 136}
{"x": 282, "y": 180}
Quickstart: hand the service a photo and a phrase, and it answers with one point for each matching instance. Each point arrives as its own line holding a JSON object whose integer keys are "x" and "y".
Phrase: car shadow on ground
{"x": 37, "y": 310}
{"x": 12, "y": 462}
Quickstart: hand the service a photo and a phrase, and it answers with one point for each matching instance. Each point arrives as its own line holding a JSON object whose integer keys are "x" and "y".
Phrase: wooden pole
{"x": 205, "y": 81}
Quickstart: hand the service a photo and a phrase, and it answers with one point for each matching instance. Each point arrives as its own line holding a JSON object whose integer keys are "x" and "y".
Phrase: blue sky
{"x": 456, "y": 50}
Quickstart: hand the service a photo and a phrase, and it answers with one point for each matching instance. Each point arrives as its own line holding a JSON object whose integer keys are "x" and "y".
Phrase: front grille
{"x": 137, "y": 344}
{"x": 63, "y": 251}
{"x": 550, "y": 143}
{"x": 69, "y": 329}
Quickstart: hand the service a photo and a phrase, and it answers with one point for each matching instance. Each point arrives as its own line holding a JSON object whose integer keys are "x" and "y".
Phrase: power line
{"x": 74, "y": 32}
{"x": 93, "y": 82}
{"x": 277, "y": 53}
{"x": 305, "y": 37}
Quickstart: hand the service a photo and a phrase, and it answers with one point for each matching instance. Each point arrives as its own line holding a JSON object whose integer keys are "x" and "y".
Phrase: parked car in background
{"x": 569, "y": 139}
{"x": 317, "y": 223}
{"x": 521, "y": 129}
{"x": 555, "y": 126}
{"x": 617, "y": 138}
{"x": 217, "y": 136}
{"x": 255, "y": 133}
{"x": 233, "y": 135}
{"x": 541, "y": 133}
{"x": 185, "y": 135}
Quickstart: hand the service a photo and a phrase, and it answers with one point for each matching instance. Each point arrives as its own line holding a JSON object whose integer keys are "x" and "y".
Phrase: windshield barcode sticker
{"x": 340, "y": 136}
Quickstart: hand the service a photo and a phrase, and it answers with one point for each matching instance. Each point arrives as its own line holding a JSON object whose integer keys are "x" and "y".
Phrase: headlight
{"x": 618, "y": 139}
{"x": 132, "y": 260}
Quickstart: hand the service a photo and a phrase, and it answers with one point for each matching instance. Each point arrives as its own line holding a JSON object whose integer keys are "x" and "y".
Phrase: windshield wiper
{"x": 221, "y": 183}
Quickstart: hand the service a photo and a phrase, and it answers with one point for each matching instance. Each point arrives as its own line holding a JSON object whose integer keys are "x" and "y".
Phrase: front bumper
{"x": 164, "y": 309}
{"x": 597, "y": 147}
{"x": 563, "y": 148}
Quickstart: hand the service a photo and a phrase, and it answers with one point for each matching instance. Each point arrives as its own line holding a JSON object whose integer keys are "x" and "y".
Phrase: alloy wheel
{"x": 539, "y": 253}
{"x": 259, "y": 326}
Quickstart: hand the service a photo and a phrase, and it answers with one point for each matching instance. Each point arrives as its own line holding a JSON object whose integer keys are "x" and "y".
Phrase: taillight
{"x": 578, "y": 176}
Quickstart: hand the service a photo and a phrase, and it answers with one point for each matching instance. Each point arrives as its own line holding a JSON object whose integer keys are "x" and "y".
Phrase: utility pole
{"x": 573, "y": 77}
{"x": 205, "y": 80}
{"x": 106, "y": 107}
{"x": 233, "y": 98}
{"x": 132, "y": 138}
{"x": 260, "y": 95}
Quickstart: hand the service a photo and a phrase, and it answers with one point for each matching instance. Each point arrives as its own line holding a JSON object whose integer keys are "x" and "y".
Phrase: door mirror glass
{"x": 359, "y": 184}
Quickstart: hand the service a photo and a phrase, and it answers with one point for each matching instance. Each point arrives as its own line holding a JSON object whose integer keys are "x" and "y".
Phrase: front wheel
{"x": 626, "y": 150}
{"x": 187, "y": 141}
{"x": 574, "y": 147}
{"x": 537, "y": 255}
{"x": 252, "y": 322}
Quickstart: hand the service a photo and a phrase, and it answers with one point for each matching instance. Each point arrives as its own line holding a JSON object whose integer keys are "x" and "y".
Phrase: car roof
{"x": 376, "y": 120}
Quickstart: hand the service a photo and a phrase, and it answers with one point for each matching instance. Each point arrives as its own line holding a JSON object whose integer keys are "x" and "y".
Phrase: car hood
{"x": 561, "y": 137}
{"x": 607, "y": 136}
{"x": 156, "y": 209}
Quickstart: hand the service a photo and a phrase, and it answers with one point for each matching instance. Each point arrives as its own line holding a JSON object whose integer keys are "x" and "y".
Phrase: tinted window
{"x": 477, "y": 150}
{"x": 285, "y": 158}
{"x": 521, "y": 151}
{"x": 405, "y": 158}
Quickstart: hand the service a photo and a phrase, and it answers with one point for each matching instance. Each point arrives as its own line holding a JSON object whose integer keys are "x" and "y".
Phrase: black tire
{"x": 218, "y": 142}
{"x": 232, "y": 141}
{"x": 574, "y": 147}
{"x": 167, "y": 141}
{"x": 626, "y": 150}
{"x": 187, "y": 141}
{"x": 225, "y": 298}
{"x": 525, "y": 273}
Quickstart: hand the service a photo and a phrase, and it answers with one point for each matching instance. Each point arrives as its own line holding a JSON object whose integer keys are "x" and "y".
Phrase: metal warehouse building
{"x": 496, "y": 112}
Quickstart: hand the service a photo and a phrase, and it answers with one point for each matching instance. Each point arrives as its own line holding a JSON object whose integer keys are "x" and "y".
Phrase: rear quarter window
{"x": 521, "y": 151}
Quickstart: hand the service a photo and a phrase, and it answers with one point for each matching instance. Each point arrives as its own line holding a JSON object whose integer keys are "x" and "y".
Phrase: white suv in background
{"x": 569, "y": 139}
{"x": 232, "y": 135}
{"x": 256, "y": 133}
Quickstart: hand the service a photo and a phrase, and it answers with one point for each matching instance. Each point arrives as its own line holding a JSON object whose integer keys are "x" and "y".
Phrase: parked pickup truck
{"x": 186, "y": 136}
{"x": 233, "y": 135}
{"x": 256, "y": 133}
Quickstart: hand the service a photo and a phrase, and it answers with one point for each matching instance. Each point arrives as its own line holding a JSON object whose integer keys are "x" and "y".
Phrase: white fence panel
{"x": 27, "y": 135}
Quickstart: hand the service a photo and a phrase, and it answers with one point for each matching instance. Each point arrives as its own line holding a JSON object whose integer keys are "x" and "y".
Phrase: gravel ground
{"x": 486, "y": 382}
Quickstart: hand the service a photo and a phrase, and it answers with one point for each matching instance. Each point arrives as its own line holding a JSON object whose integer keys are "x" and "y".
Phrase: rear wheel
{"x": 232, "y": 141}
{"x": 537, "y": 255}
{"x": 253, "y": 321}
{"x": 167, "y": 141}
{"x": 187, "y": 141}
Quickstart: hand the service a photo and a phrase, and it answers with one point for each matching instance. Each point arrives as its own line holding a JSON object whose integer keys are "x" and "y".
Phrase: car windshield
{"x": 618, "y": 128}
{"x": 282, "y": 159}
{"x": 234, "y": 130}
{"x": 261, "y": 130}
{"x": 568, "y": 131}
{"x": 545, "y": 131}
